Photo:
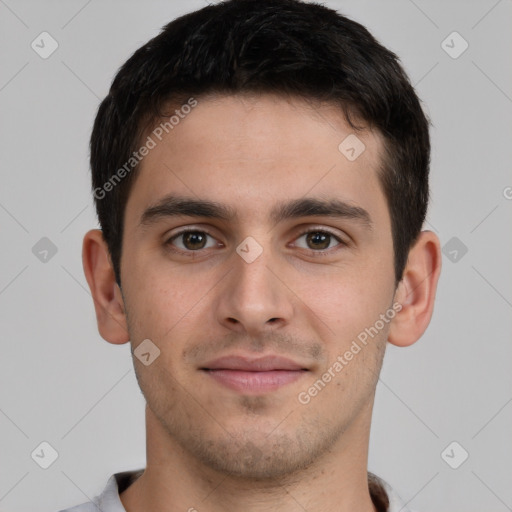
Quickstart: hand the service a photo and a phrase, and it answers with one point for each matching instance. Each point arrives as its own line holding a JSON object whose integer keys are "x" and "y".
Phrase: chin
{"x": 261, "y": 456}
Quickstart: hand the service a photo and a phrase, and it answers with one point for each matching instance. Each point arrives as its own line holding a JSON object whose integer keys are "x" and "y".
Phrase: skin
{"x": 211, "y": 448}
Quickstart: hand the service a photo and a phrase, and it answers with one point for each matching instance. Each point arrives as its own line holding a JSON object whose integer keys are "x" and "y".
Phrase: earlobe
{"x": 108, "y": 301}
{"x": 416, "y": 291}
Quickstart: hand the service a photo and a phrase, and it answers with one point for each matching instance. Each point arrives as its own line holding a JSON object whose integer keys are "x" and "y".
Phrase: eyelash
{"x": 317, "y": 253}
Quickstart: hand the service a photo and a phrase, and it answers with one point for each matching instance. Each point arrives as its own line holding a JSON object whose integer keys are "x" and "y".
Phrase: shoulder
{"x": 108, "y": 500}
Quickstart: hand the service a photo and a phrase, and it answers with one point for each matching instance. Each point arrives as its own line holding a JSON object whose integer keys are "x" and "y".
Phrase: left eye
{"x": 318, "y": 240}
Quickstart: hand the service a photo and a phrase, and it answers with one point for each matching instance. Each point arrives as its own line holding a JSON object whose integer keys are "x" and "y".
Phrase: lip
{"x": 254, "y": 375}
{"x": 253, "y": 364}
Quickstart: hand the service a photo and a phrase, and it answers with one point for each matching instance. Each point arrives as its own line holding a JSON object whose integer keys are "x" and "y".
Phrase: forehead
{"x": 250, "y": 152}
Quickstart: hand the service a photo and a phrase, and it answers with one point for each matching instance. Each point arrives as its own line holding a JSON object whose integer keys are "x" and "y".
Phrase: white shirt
{"x": 109, "y": 501}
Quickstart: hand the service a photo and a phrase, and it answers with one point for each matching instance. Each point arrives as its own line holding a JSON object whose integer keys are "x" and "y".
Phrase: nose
{"x": 255, "y": 298}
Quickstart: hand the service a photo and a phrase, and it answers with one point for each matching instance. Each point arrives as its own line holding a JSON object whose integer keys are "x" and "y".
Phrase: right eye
{"x": 191, "y": 240}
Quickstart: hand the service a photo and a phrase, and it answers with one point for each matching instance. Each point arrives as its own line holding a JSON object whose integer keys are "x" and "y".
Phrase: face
{"x": 269, "y": 297}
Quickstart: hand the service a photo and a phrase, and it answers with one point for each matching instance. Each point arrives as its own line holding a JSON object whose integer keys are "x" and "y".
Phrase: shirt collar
{"x": 383, "y": 496}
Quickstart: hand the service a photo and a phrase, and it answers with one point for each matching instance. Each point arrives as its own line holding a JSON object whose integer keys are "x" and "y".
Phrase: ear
{"x": 416, "y": 291}
{"x": 106, "y": 294}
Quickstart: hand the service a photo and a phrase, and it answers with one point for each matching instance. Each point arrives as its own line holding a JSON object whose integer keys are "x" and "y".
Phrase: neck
{"x": 175, "y": 480}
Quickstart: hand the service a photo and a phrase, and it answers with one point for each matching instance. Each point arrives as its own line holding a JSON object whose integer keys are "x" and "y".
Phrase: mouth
{"x": 254, "y": 376}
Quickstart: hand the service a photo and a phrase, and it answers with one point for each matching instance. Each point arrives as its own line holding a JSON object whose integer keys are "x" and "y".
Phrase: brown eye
{"x": 192, "y": 240}
{"x": 317, "y": 240}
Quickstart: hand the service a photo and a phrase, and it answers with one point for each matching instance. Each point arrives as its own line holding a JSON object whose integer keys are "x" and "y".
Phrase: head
{"x": 247, "y": 122}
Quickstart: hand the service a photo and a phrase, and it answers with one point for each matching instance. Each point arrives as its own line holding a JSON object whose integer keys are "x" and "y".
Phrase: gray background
{"x": 61, "y": 383}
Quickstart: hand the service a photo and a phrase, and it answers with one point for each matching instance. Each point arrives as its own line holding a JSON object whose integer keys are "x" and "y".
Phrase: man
{"x": 260, "y": 171}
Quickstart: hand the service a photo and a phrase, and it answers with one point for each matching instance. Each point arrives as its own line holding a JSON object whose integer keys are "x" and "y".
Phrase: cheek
{"x": 172, "y": 313}
{"x": 154, "y": 307}
{"x": 352, "y": 301}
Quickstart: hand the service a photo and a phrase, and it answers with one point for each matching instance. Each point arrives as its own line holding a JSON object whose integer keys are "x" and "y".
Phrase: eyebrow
{"x": 173, "y": 206}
